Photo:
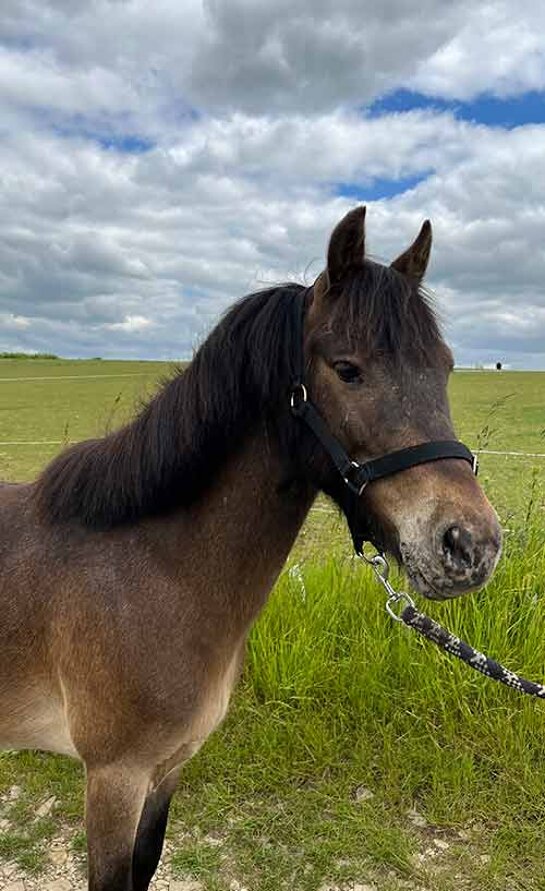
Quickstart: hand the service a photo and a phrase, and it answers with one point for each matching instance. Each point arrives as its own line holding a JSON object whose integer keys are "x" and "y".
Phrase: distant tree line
{"x": 8, "y": 355}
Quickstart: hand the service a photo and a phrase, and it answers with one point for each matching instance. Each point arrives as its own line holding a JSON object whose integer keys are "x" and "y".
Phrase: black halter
{"x": 356, "y": 475}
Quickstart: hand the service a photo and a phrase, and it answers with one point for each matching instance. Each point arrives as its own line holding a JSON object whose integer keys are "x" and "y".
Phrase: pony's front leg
{"x": 151, "y": 831}
{"x": 115, "y": 798}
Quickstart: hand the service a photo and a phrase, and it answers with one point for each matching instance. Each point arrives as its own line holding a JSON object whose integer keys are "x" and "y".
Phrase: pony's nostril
{"x": 458, "y": 546}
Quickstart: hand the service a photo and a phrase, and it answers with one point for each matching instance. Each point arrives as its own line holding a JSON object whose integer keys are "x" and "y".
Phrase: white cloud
{"x": 499, "y": 49}
{"x": 11, "y": 322}
{"x": 131, "y": 324}
{"x": 261, "y": 56}
{"x": 37, "y": 80}
{"x": 157, "y": 244}
{"x": 107, "y": 252}
{"x": 153, "y": 61}
{"x": 326, "y": 147}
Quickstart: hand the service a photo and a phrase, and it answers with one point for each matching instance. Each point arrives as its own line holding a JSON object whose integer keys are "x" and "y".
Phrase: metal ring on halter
{"x": 378, "y": 562}
{"x": 302, "y": 391}
{"x": 371, "y": 557}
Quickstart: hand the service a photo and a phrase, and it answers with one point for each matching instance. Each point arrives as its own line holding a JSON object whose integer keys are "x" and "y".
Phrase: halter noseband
{"x": 356, "y": 475}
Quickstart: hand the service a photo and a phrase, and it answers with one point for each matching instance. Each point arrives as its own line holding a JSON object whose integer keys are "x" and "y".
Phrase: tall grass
{"x": 337, "y": 695}
{"x": 345, "y": 682}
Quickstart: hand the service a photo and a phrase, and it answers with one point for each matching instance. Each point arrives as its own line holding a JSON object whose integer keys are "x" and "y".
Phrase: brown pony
{"x": 133, "y": 568}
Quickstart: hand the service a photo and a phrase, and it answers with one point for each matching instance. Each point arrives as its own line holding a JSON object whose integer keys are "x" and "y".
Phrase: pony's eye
{"x": 348, "y": 373}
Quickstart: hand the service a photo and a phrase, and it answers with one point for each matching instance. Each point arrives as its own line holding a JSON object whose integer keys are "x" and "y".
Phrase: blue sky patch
{"x": 528, "y": 108}
{"x": 117, "y": 133}
{"x": 128, "y": 143}
{"x": 134, "y": 145}
{"x": 379, "y": 188}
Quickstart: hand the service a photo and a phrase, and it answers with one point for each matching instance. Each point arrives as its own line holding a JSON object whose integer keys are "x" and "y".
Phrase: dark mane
{"x": 171, "y": 452}
{"x": 240, "y": 375}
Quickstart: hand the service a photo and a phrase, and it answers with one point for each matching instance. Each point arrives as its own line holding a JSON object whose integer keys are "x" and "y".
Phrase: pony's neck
{"x": 243, "y": 529}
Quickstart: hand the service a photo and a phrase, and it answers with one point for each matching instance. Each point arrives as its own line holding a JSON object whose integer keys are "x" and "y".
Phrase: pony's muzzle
{"x": 468, "y": 552}
{"x": 452, "y": 552}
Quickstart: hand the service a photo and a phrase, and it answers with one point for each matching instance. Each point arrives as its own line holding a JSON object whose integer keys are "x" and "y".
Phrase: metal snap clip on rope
{"x": 444, "y": 639}
{"x": 380, "y": 567}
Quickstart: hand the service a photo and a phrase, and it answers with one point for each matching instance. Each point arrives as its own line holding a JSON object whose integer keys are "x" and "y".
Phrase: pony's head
{"x": 377, "y": 370}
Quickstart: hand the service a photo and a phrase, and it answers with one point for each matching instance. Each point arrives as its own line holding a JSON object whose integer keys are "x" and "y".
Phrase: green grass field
{"x": 353, "y": 753}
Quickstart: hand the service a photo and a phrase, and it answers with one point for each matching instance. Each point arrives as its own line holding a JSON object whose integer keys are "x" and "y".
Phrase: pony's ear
{"x": 346, "y": 245}
{"x": 414, "y": 261}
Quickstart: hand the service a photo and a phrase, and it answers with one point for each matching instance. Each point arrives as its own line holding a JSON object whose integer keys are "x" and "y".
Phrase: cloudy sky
{"x": 158, "y": 160}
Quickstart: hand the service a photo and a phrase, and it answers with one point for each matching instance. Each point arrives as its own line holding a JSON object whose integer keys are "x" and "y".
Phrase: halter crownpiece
{"x": 356, "y": 475}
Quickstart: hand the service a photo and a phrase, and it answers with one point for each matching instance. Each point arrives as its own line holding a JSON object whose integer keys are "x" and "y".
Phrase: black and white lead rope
{"x": 444, "y": 639}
